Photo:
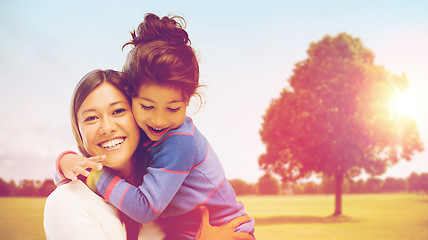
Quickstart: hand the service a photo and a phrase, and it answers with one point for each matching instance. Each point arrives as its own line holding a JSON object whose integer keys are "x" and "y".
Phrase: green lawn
{"x": 366, "y": 217}
{"x": 21, "y": 218}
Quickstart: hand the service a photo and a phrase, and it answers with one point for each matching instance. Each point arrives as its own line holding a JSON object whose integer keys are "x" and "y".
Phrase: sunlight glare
{"x": 405, "y": 104}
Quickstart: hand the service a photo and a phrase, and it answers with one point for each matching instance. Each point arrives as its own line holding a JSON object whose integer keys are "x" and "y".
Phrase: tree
{"x": 336, "y": 119}
{"x": 422, "y": 184}
{"x": 242, "y": 188}
{"x": 27, "y": 188}
{"x": 268, "y": 185}
{"x": 328, "y": 185}
{"x": 394, "y": 185}
{"x": 374, "y": 185}
{"x": 311, "y": 188}
{"x": 412, "y": 180}
{"x": 357, "y": 187}
{"x": 6, "y": 189}
{"x": 47, "y": 187}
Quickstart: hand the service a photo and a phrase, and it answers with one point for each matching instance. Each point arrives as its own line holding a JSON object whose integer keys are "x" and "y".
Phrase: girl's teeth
{"x": 112, "y": 143}
{"x": 157, "y": 129}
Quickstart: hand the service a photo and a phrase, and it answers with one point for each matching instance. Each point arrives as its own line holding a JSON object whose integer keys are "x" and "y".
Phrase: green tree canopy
{"x": 337, "y": 117}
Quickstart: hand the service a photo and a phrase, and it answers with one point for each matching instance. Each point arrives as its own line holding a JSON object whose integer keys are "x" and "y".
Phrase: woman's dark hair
{"x": 162, "y": 54}
{"x": 86, "y": 85}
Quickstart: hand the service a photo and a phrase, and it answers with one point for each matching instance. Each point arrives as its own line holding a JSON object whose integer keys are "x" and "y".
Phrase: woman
{"x": 103, "y": 124}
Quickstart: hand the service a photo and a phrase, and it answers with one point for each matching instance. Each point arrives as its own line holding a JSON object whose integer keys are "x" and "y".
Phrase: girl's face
{"x": 158, "y": 109}
{"x": 107, "y": 126}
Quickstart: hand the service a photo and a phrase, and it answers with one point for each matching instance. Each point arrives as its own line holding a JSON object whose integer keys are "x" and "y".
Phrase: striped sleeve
{"x": 165, "y": 175}
{"x": 125, "y": 197}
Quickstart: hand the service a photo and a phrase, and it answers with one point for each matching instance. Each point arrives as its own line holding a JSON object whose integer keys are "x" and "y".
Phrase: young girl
{"x": 184, "y": 172}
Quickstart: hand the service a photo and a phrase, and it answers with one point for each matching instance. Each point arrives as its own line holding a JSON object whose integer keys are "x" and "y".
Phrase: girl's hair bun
{"x": 165, "y": 29}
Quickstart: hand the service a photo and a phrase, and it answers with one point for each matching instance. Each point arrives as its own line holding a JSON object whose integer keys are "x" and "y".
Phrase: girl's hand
{"x": 224, "y": 232}
{"x": 71, "y": 165}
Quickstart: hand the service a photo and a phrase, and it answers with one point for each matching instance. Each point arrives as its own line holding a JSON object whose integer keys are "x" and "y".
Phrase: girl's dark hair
{"x": 86, "y": 85}
{"x": 162, "y": 54}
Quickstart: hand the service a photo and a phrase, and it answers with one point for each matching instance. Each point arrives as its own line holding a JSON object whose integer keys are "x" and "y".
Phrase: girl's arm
{"x": 165, "y": 176}
{"x": 69, "y": 165}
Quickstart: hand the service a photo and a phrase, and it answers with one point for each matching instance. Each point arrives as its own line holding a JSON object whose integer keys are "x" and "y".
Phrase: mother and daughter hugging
{"x": 145, "y": 171}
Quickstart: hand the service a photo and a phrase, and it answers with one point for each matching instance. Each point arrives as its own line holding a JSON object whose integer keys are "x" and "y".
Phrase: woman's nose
{"x": 107, "y": 126}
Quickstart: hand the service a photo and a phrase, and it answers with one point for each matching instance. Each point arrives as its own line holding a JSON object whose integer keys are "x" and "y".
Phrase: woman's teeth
{"x": 112, "y": 143}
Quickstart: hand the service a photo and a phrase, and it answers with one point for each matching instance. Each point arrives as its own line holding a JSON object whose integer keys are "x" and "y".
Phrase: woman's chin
{"x": 116, "y": 161}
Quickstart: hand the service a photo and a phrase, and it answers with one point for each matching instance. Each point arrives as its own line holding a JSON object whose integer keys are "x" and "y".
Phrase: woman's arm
{"x": 224, "y": 232}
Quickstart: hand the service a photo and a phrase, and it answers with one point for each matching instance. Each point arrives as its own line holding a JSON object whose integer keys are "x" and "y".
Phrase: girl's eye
{"x": 119, "y": 111}
{"x": 174, "y": 109}
{"x": 146, "y": 107}
{"x": 90, "y": 119}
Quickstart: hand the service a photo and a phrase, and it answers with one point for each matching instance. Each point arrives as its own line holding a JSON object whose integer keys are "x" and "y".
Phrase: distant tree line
{"x": 269, "y": 185}
{"x": 413, "y": 183}
{"x": 26, "y": 188}
{"x": 266, "y": 185}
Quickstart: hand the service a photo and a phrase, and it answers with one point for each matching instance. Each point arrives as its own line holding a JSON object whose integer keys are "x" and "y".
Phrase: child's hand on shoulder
{"x": 72, "y": 165}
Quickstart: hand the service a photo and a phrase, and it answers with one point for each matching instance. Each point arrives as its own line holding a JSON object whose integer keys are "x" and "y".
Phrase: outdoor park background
{"x": 247, "y": 52}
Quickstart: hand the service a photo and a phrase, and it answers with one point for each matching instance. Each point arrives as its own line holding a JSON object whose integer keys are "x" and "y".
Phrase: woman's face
{"x": 107, "y": 126}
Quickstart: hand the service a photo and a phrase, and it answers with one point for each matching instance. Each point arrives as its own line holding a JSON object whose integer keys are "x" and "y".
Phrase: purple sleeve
{"x": 168, "y": 168}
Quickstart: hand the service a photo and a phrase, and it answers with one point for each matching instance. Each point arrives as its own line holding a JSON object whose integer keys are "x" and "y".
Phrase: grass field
{"x": 366, "y": 217}
{"x": 21, "y": 218}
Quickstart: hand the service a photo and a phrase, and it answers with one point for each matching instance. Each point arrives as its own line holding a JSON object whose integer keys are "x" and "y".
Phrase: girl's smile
{"x": 157, "y": 131}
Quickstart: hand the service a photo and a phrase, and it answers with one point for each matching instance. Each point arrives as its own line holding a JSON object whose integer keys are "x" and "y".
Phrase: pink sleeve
{"x": 58, "y": 176}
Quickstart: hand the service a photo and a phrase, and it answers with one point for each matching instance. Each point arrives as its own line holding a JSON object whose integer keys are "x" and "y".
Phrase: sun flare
{"x": 404, "y": 104}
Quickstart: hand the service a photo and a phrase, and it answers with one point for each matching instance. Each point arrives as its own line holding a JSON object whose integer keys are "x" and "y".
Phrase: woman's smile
{"x": 113, "y": 144}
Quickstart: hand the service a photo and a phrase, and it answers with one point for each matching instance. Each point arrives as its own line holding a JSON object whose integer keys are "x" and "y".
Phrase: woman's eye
{"x": 90, "y": 119}
{"x": 146, "y": 107}
{"x": 119, "y": 111}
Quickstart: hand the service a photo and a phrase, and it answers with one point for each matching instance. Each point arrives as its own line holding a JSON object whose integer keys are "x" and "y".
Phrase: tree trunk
{"x": 338, "y": 200}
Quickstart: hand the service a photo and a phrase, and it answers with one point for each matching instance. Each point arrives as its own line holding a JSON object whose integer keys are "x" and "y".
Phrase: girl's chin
{"x": 155, "y": 138}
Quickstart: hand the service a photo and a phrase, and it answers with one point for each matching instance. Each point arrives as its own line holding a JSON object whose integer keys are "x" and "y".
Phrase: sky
{"x": 247, "y": 50}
